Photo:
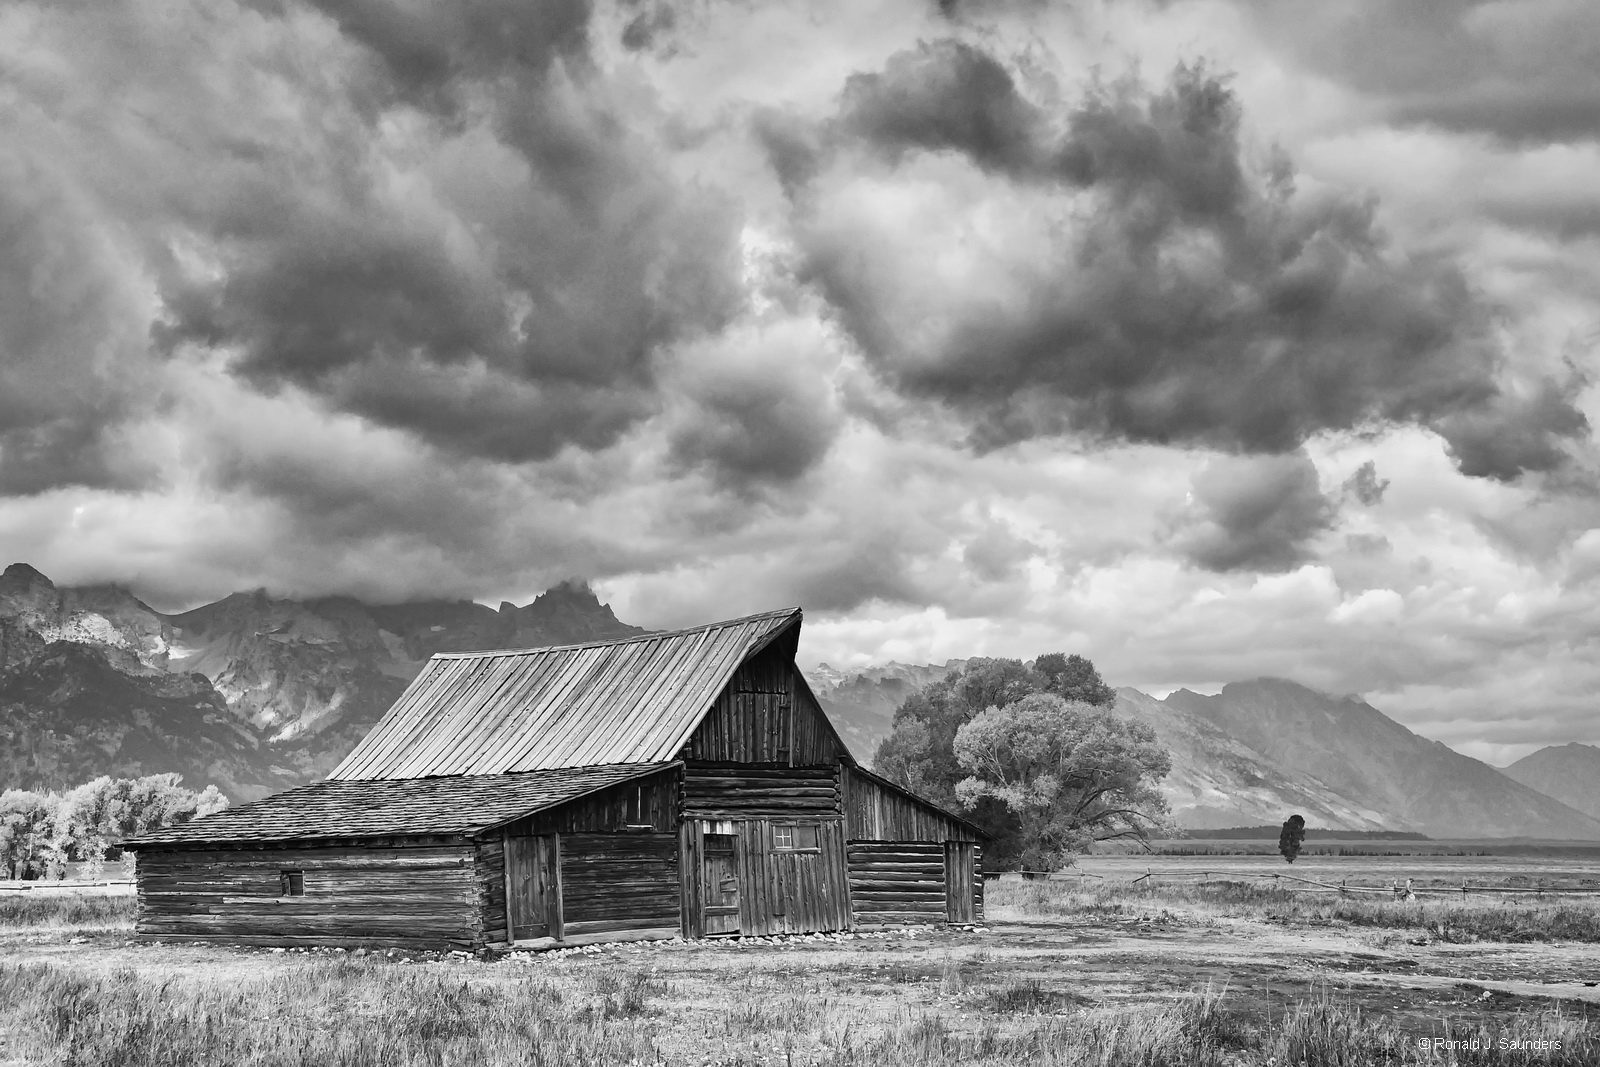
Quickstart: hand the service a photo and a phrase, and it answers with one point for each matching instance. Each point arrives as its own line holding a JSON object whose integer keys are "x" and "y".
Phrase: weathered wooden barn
{"x": 682, "y": 783}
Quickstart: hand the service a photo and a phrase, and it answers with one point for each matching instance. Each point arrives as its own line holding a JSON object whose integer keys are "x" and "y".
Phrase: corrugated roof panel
{"x": 618, "y": 702}
{"x": 463, "y": 804}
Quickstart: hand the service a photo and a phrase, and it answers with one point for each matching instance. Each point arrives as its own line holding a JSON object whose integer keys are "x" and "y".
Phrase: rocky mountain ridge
{"x": 256, "y": 694}
{"x": 251, "y": 693}
{"x": 1570, "y": 773}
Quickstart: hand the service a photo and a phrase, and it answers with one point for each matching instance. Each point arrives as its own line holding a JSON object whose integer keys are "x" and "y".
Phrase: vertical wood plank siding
{"x": 419, "y": 897}
{"x": 792, "y": 892}
{"x": 644, "y": 805}
{"x": 735, "y": 791}
{"x": 977, "y": 883}
{"x": 616, "y": 882}
{"x": 875, "y": 812}
{"x": 491, "y": 879}
{"x": 897, "y": 882}
{"x": 766, "y": 714}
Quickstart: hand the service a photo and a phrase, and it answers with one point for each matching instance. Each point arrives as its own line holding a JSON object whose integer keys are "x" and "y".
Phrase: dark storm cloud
{"x": 946, "y": 96}
{"x": 519, "y": 306}
{"x": 64, "y": 336}
{"x": 1193, "y": 298}
{"x": 432, "y": 50}
{"x": 1520, "y": 72}
{"x": 1366, "y": 486}
{"x": 1256, "y": 513}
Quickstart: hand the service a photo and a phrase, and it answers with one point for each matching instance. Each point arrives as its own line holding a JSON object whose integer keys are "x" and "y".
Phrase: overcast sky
{"x": 1208, "y": 339}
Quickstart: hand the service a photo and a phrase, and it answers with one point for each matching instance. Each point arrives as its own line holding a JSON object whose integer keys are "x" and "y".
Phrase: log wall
{"x": 619, "y": 882}
{"x": 912, "y": 882}
{"x": 875, "y": 810}
{"x": 738, "y": 791}
{"x": 393, "y": 895}
{"x": 897, "y": 882}
{"x": 767, "y": 714}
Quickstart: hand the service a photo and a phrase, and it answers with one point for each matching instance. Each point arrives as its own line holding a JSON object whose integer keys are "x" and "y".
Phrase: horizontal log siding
{"x": 407, "y": 897}
{"x": 766, "y": 714}
{"x": 616, "y": 882}
{"x": 738, "y": 791}
{"x": 648, "y": 802}
{"x": 874, "y": 812}
{"x": 784, "y": 892}
{"x": 897, "y": 882}
{"x": 491, "y": 877}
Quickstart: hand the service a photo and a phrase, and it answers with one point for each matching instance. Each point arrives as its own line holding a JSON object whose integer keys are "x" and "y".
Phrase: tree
{"x": 26, "y": 819}
{"x": 1073, "y": 773}
{"x": 1074, "y": 678}
{"x": 1289, "y": 838}
{"x": 919, "y": 752}
{"x": 41, "y": 832}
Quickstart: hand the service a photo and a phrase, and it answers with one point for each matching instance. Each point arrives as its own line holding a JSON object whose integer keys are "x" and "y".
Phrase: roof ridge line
{"x": 654, "y": 635}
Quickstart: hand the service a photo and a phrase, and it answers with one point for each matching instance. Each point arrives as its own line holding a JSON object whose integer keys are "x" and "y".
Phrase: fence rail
{"x": 23, "y": 887}
{"x": 1398, "y": 889}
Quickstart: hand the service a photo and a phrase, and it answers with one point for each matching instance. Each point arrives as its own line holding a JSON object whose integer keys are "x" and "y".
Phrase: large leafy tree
{"x": 41, "y": 832}
{"x": 1071, "y": 772}
{"x": 919, "y": 752}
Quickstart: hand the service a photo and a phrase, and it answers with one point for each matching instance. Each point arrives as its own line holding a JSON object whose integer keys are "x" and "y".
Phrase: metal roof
{"x": 631, "y": 701}
{"x": 408, "y": 806}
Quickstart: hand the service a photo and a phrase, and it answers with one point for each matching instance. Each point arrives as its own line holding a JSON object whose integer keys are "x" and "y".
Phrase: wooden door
{"x": 720, "y": 886}
{"x": 960, "y": 863}
{"x": 533, "y": 892}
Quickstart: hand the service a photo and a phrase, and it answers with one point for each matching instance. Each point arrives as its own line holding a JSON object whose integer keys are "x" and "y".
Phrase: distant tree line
{"x": 40, "y": 833}
{"x": 1033, "y": 754}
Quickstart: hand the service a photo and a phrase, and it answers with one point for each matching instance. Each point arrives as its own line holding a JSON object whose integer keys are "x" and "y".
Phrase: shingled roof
{"x": 330, "y": 810}
{"x": 610, "y": 702}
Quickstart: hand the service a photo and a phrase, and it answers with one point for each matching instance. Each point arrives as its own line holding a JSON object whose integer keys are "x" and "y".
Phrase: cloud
{"x": 1365, "y": 485}
{"x": 1129, "y": 268}
{"x": 1522, "y": 73}
{"x": 70, "y": 342}
{"x": 1256, "y": 513}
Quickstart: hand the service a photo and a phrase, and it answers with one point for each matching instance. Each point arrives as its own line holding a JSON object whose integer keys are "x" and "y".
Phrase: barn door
{"x": 533, "y": 898}
{"x": 721, "y": 883}
{"x": 960, "y": 861}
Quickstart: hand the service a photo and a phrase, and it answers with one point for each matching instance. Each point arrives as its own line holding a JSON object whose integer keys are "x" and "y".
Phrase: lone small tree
{"x": 1072, "y": 773}
{"x": 1289, "y": 838}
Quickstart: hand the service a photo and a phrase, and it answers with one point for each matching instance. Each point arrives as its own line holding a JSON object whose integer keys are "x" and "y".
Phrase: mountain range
{"x": 253, "y": 694}
{"x": 256, "y": 694}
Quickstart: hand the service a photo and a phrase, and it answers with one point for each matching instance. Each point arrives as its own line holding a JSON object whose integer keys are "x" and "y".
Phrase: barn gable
{"x": 633, "y": 701}
{"x": 767, "y": 714}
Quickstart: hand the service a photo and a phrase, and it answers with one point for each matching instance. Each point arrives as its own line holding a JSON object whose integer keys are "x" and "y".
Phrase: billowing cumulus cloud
{"x": 1139, "y": 275}
{"x": 900, "y": 312}
{"x": 1256, "y": 513}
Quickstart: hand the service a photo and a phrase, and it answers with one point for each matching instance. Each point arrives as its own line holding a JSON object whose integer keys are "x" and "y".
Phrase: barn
{"x": 674, "y": 784}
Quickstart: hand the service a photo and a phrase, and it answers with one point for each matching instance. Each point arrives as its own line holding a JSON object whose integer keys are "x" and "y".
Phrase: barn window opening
{"x": 294, "y": 883}
{"x": 794, "y": 837}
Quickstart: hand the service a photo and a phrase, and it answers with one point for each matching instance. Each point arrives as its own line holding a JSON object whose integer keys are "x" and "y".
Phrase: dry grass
{"x": 365, "y": 1013}
{"x": 1480, "y": 918}
{"x": 28, "y": 910}
{"x": 937, "y": 1001}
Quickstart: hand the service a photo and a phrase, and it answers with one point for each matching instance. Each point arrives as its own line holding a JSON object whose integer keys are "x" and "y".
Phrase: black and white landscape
{"x": 1209, "y": 387}
{"x": 254, "y": 694}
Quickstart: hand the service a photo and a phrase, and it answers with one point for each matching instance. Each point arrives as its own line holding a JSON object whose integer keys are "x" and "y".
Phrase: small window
{"x": 794, "y": 837}
{"x": 294, "y": 883}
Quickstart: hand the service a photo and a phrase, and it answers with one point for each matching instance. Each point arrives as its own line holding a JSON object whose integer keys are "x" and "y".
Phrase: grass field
{"x": 1214, "y": 974}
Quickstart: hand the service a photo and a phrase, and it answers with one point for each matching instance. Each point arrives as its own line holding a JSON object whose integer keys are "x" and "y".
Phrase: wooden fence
{"x": 1397, "y": 889}
{"x": 42, "y": 884}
